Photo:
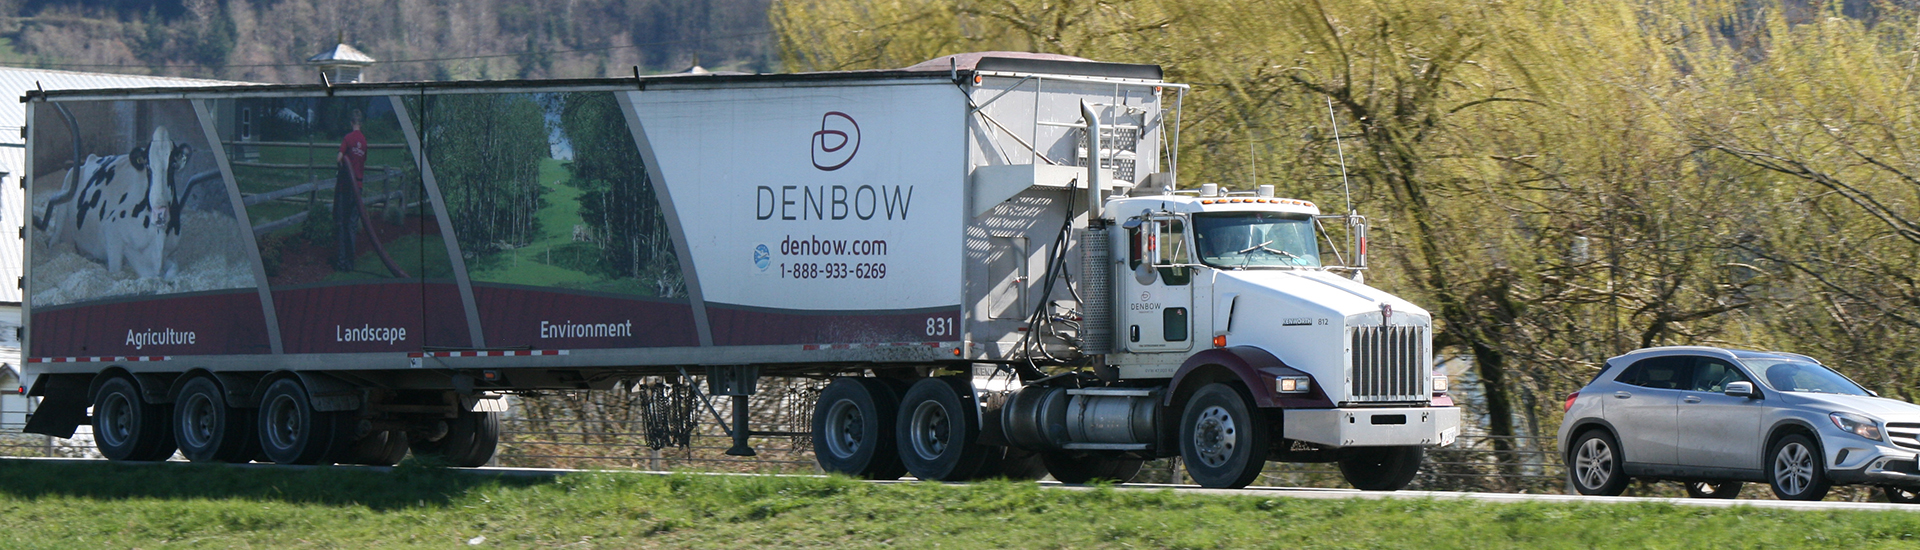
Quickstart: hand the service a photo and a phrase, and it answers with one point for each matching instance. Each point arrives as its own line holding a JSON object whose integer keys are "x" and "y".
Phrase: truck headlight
{"x": 1293, "y": 384}
{"x": 1440, "y": 383}
{"x": 1857, "y": 425}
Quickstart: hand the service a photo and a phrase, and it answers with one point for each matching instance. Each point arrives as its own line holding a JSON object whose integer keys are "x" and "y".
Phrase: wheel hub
{"x": 846, "y": 430}
{"x": 199, "y": 414}
{"x": 1793, "y": 468}
{"x": 117, "y": 420}
{"x": 931, "y": 430}
{"x": 1214, "y": 436}
{"x": 1593, "y": 465}
{"x": 283, "y": 422}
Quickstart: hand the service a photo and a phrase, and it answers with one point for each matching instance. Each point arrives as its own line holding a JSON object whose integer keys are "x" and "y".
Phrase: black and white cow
{"x": 120, "y": 209}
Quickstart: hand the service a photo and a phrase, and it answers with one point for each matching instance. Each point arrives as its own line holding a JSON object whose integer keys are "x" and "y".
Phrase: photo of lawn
{"x": 100, "y": 505}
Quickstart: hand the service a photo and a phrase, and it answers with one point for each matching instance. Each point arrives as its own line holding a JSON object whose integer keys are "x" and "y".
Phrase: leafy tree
{"x": 619, "y": 204}
{"x": 485, "y": 151}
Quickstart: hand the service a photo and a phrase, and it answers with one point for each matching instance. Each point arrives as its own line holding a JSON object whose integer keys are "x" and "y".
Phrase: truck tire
{"x": 1381, "y": 468}
{"x": 1223, "y": 437}
{"x": 853, "y": 429}
{"x": 380, "y": 448}
{"x": 1021, "y": 465}
{"x": 126, "y": 427}
{"x": 1796, "y": 470}
{"x": 937, "y": 430}
{"x": 291, "y": 432}
{"x": 207, "y": 429}
{"x": 1075, "y": 469}
{"x": 470, "y": 442}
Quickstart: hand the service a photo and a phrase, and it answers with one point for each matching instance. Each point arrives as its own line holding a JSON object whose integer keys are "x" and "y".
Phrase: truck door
{"x": 1159, "y": 311}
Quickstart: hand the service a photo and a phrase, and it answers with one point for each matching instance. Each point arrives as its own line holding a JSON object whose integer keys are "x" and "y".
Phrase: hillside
{"x": 265, "y": 40}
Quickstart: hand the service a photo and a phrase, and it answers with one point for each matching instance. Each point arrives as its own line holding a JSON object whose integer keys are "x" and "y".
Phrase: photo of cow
{"x": 127, "y": 201}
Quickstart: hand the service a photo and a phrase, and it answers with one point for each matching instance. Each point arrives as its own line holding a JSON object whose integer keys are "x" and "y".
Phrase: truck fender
{"x": 153, "y": 386}
{"x": 1254, "y": 367}
{"x": 326, "y": 392}
{"x": 237, "y": 387}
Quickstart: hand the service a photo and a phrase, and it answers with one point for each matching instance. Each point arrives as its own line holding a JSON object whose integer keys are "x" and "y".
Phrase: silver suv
{"x": 1713, "y": 418}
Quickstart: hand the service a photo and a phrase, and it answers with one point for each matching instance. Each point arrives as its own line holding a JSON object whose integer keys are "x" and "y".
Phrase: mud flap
{"x": 63, "y": 404}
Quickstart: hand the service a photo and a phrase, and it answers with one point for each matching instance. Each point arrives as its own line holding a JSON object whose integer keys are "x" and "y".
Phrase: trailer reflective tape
{"x": 417, "y": 359}
{"x": 490, "y": 353}
{"x": 102, "y": 359}
{"x": 818, "y": 347}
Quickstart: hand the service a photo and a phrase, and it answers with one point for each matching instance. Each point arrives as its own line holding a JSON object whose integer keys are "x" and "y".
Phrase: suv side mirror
{"x": 1742, "y": 389}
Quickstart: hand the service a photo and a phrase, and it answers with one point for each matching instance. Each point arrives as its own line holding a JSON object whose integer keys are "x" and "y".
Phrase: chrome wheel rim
{"x": 1214, "y": 436}
{"x": 1793, "y": 468}
{"x": 283, "y": 422}
{"x": 197, "y": 421}
{"x": 845, "y": 428}
{"x": 932, "y": 430}
{"x": 116, "y": 420}
{"x": 1593, "y": 464}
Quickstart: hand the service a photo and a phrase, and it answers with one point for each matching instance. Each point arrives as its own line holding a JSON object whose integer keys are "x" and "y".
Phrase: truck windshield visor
{"x": 1801, "y": 376}
{"x": 1233, "y": 240}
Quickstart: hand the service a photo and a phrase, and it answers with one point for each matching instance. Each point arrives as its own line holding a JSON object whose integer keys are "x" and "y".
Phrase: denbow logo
{"x": 836, "y": 142}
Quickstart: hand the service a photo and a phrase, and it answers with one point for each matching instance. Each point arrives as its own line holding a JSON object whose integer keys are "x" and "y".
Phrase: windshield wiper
{"x": 1246, "y": 254}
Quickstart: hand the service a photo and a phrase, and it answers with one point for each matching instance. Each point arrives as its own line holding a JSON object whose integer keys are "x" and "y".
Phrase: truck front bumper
{"x": 1373, "y": 427}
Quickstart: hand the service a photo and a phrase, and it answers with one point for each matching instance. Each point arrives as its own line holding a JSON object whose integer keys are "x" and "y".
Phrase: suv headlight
{"x": 1859, "y": 425}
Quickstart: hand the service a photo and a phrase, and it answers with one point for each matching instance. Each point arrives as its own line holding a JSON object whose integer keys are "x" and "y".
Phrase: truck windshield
{"x": 1231, "y": 240}
{"x": 1801, "y": 376}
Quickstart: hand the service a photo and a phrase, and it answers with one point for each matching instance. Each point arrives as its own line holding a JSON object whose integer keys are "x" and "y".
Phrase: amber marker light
{"x": 1220, "y": 341}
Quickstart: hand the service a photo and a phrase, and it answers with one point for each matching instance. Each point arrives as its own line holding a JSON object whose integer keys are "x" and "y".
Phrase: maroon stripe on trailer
{"x": 545, "y": 319}
{"x": 360, "y": 317}
{"x": 214, "y": 323}
{"x": 742, "y": 326}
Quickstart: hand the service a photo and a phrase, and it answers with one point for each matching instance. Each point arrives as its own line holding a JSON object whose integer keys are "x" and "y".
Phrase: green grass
{"x": 179, "y": 506}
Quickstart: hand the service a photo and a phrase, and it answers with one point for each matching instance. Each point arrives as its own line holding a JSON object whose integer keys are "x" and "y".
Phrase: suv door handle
{"x": 1622, "y": 395}
{"x": 1692, "y": 399}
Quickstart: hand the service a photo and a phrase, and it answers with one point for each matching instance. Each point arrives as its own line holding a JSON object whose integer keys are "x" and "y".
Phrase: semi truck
{"x": 984, "y": 257}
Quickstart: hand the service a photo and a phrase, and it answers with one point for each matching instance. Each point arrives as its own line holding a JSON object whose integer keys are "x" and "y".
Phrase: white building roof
{"x": 341, "y": 54}
{"x": 14, "y": 83}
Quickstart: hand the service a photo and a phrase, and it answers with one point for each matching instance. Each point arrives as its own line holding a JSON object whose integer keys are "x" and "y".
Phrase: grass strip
{"x": 416, "y": 506}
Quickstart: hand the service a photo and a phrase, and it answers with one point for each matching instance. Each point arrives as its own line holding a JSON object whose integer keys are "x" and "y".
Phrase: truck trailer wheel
{"x": 291, "y": 432}
{"x": 380, "y": 448}
{"x": 1381, "y": 468}
{"x": 470, "y": 441}
{"x": 207, "y": 429}
{"x": 853, "y": 429}
{"x": 937, "y": 430}
{"x": 126, "y": 427}
{"x": 1020, "y": 465}
{"x": 1223, "y": 437}
{"x": 1081, "y": 469}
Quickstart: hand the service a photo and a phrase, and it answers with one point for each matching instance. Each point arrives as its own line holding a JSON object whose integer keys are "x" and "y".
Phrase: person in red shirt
{"x": 349, "y": 178}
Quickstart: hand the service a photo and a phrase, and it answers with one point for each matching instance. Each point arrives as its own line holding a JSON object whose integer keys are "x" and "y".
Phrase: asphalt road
{"x": 1282, "y": 492}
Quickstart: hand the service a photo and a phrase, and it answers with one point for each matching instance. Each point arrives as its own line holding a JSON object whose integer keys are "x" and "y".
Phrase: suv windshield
{"x": 1801, "y": 376}
{"x": 1255, "y": 239}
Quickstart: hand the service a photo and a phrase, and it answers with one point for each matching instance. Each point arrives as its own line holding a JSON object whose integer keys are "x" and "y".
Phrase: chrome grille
{"x": 1904, "y": 434}
{"x": 1387, "y": 364}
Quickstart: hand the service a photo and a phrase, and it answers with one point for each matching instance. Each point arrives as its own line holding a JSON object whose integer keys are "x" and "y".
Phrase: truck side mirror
{"x": 1741, "y": 389}
{"x": 1146, "y": 272}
